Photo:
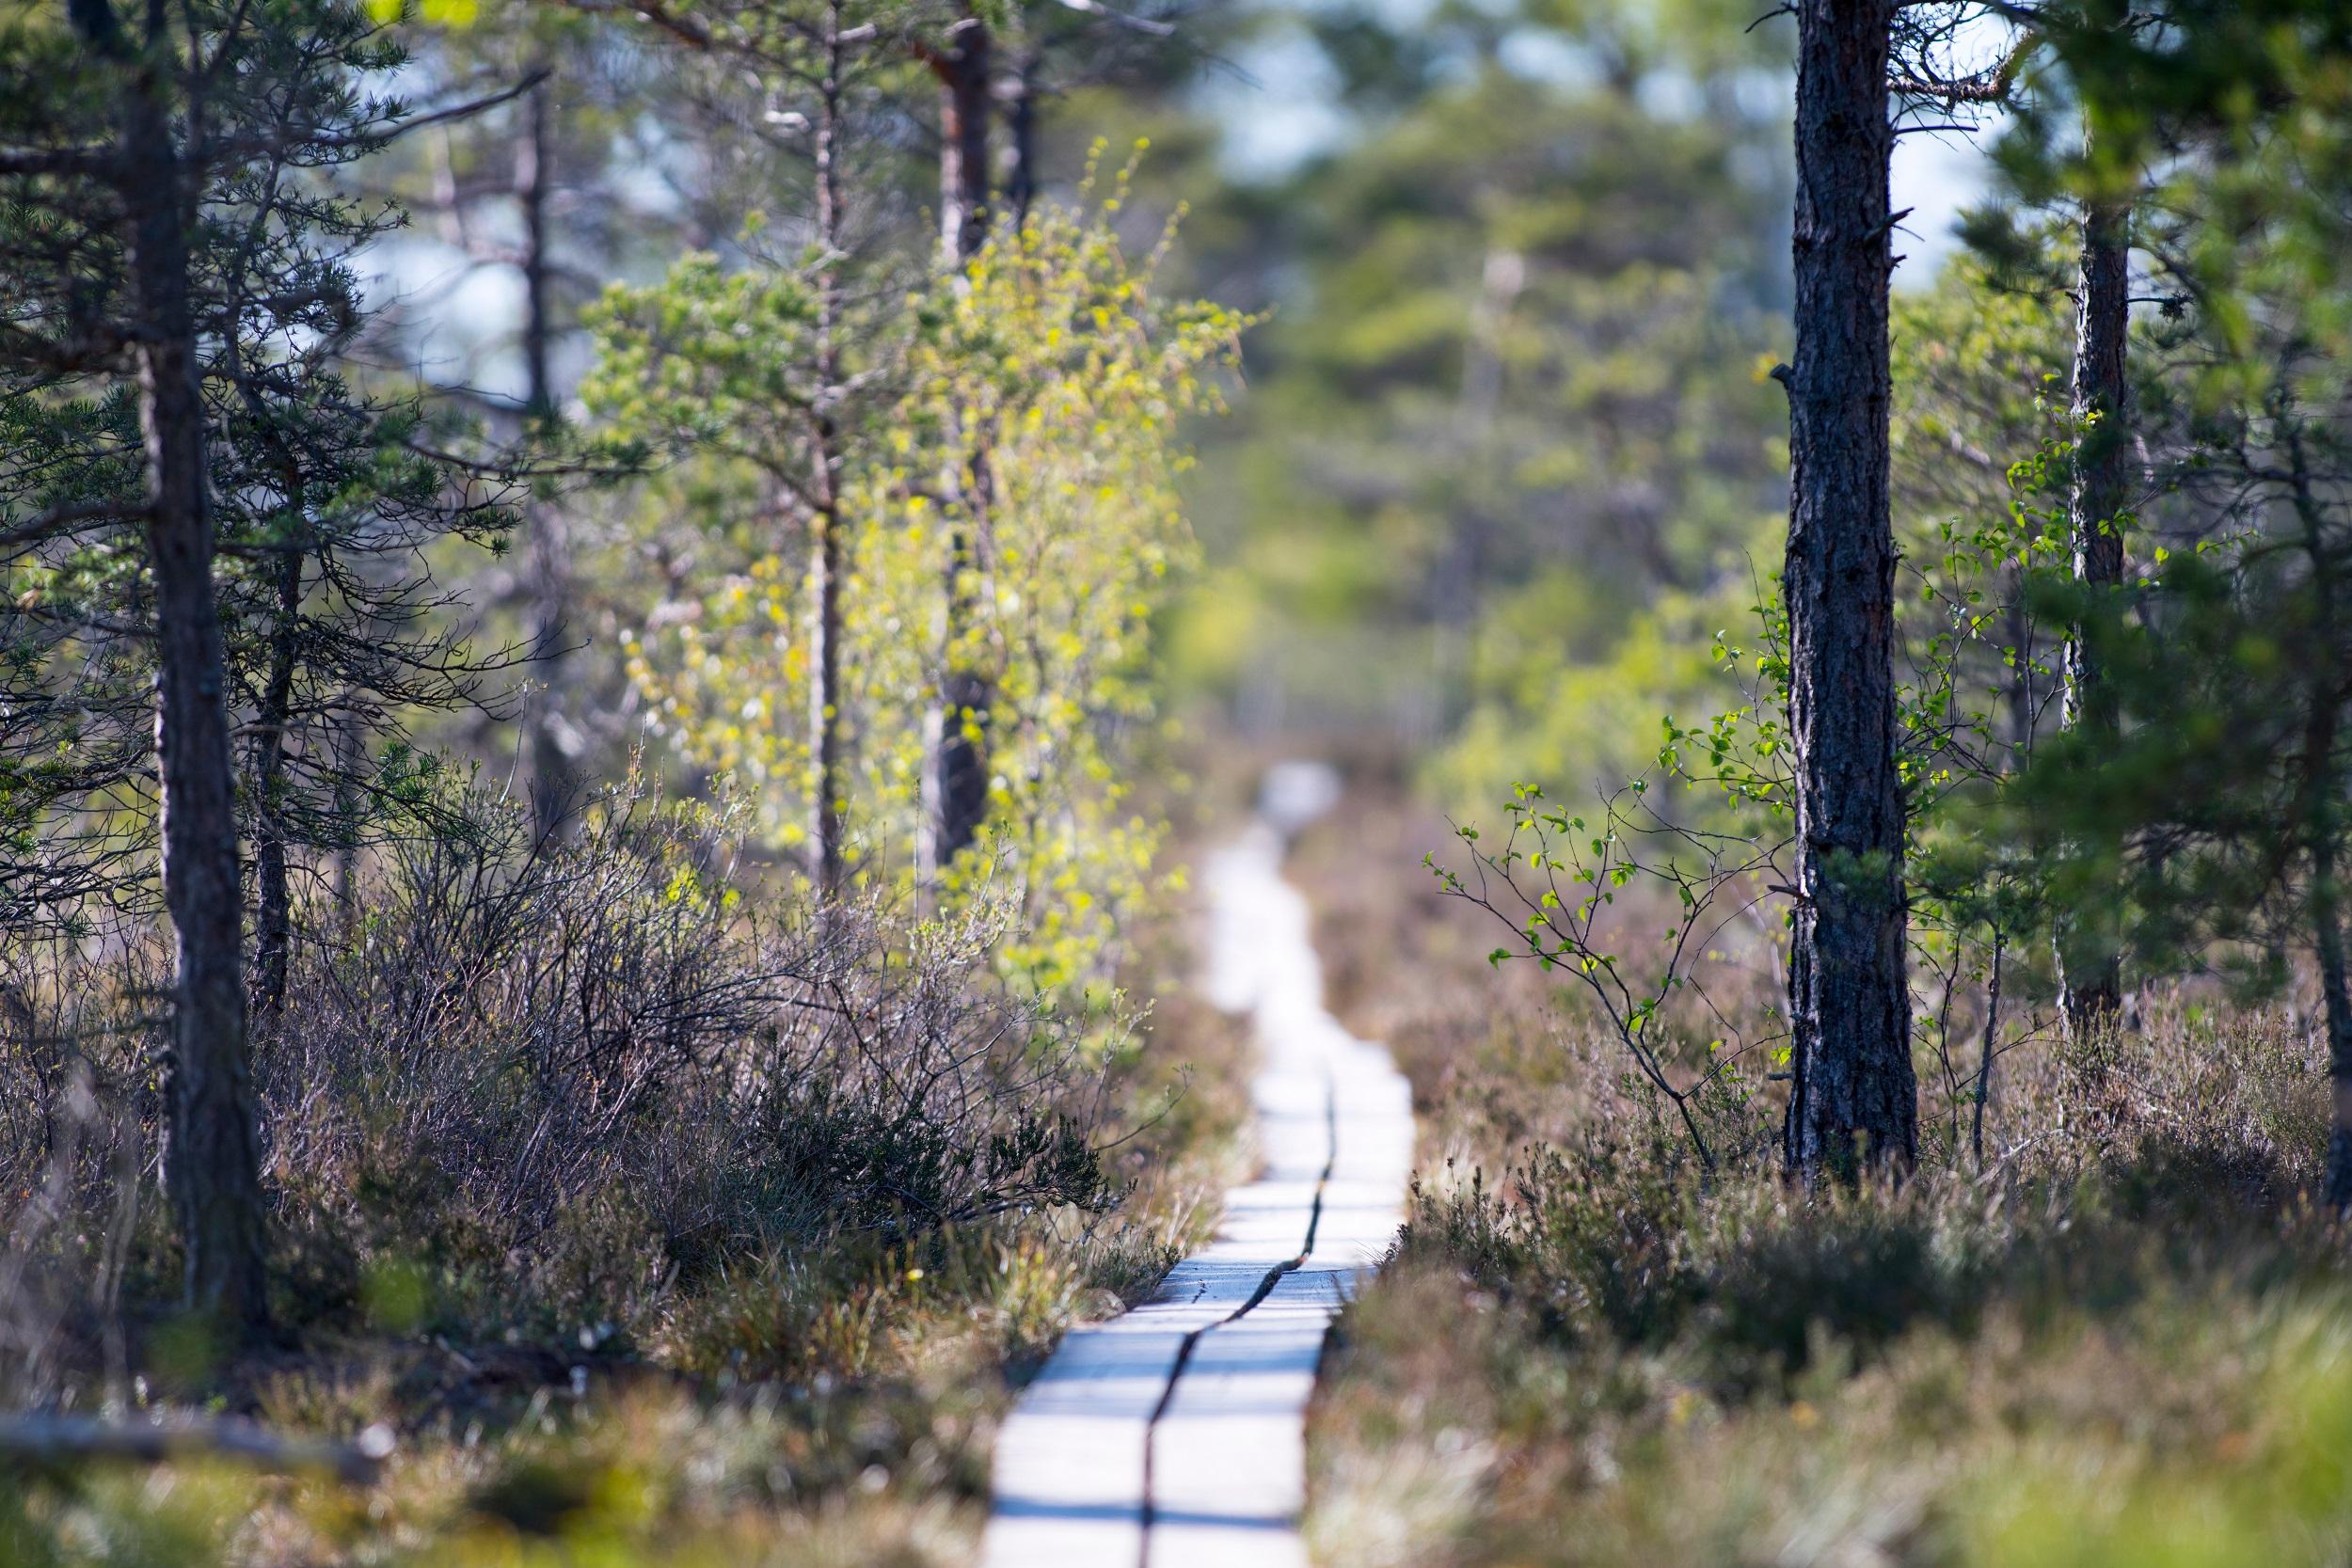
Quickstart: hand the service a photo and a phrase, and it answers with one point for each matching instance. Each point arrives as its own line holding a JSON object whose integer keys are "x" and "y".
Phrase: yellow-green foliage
{"x": 1589, "y": 725}
{"x": 1053, "y": 357}
{"x": 1047, "y": 365}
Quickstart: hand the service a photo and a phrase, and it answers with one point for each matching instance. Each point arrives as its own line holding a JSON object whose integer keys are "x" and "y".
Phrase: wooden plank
{"x": 1229, "y": 1472}
{"x": 1174, "y": 1437}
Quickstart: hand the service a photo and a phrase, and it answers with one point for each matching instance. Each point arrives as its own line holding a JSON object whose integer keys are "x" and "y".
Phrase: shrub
{"x": 2112, "y": 1339}
{"x": 536, "y": 1082}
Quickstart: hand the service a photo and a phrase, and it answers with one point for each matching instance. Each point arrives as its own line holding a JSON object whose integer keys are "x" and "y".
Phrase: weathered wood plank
{"x": 1174, "y": 1437}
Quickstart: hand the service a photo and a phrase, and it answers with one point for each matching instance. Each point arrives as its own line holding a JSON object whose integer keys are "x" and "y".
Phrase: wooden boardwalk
{"x": 1174, "y": 1437}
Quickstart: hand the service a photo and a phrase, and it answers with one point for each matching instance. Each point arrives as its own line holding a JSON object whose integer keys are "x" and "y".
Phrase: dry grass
{"x": 660, "y": 1224}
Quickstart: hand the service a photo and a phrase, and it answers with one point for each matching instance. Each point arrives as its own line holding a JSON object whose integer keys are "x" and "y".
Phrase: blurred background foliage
{"x": 1508, "y": 440}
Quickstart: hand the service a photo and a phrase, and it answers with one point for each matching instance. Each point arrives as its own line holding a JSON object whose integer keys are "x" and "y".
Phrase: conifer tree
{"x": 138, "y": 190}
{"x": 1853, "y": 1099}
{"x": 229, "y": 520}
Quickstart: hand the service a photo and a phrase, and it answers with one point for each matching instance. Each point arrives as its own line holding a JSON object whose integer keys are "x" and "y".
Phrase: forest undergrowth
{"x": 2120, "y": 1338}
{"x": 627, "y": 1209}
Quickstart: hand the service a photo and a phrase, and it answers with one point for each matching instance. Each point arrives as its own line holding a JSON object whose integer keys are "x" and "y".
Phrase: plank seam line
{"x": 1265, "y": 1288}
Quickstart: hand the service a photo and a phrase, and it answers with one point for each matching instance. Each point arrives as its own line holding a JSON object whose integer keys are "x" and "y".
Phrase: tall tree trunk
{"x": 273, "y": 717}
{"x": 2090, "y": 970}
{"x": 964, "y": 88}
{"x": 827, "y": 785}
{"x": 2320, "y": 807}
{"x": 1988, "y": 1049}
{"x": 548, "y": 556}
{"x": 1855, "y": 1097}
{"x": 213, "y": 1160}
{"x": 530, "y": 191}
{"x": 957, "y": 787}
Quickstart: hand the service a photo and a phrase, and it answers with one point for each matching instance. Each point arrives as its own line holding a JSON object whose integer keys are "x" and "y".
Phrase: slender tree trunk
{"x": 1855, "y": 1096}
{"x": 1985, "y": 1053}
{"x": 213, "y": 1160}
{"x": 273, "y": 945}
{"x": 548, "y": 556}
{"x": 1021, "y": 178}
{"x": 964, "y": 92}
{"x": 530, "y": 190}
{"x": 2327, "y": 932}
{"x": 2327, "y": 915}
{"x": 828, "y": 784}
{"x": 957, "y": 787}
{"x": 273, "y": 717}
{"x": 2090, "y": 968}
{"x": 350, "y": 756}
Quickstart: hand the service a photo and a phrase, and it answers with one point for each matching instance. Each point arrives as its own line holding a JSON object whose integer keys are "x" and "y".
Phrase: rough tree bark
{"x": 1854, "y": 1098}
{"x": 2319, "y": 810}
{"x": 2090, "y": 970}
{"x": 963, "y": 68}
{"x": 213, "y": 1161}
{"x": 955, "y": 787}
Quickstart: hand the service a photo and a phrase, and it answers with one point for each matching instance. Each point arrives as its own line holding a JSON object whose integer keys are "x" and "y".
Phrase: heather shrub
{"x": 538, "y": 1085}
{"x": 2113, "y": 1338}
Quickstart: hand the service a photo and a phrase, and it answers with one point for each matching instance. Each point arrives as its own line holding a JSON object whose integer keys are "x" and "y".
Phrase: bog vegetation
{"x": 591, "y": 802}
{"x": 577, "y": 928}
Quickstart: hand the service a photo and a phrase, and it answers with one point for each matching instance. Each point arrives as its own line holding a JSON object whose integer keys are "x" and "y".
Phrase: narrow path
{"x": 1174, "y": 1437}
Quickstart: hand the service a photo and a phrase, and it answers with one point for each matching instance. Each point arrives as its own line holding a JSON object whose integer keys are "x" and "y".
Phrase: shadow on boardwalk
{"x": 1175, "y": 1435}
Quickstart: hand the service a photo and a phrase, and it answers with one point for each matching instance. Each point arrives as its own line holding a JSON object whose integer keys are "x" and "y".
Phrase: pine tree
{"x": 1854, "y": 1098}
{"x": 214, "y": 1156}
{"x": 268, "y": 591}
